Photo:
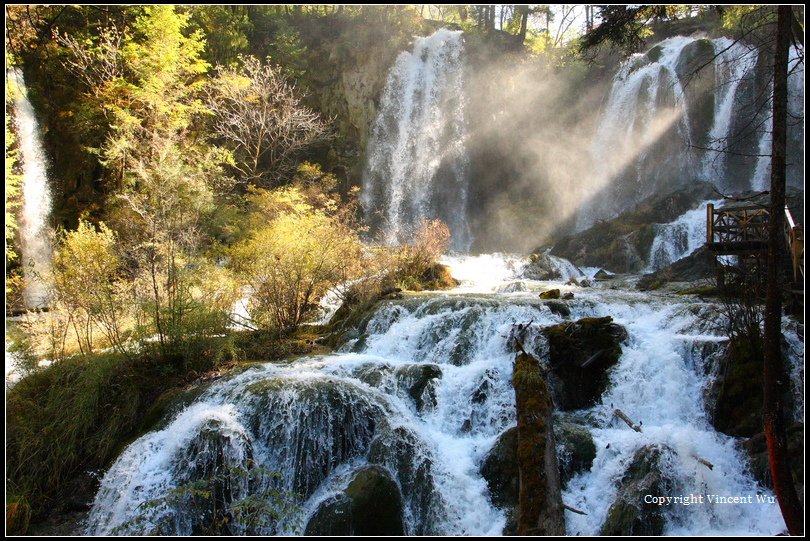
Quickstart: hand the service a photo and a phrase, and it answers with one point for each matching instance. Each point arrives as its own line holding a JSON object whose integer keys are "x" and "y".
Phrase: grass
{"x": 78, "y": 414}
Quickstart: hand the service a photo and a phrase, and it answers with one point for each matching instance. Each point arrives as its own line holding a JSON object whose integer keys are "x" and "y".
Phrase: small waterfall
{"x": 417, "y": 162}
{"x": 679, "y": 238}
{"x": 34, "y": 229}
{"x": 422, "y": 391}
{"x": 761, "y": 177}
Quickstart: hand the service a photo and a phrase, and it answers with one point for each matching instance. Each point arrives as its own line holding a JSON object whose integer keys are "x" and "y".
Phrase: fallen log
{"x": 620, "y": 414}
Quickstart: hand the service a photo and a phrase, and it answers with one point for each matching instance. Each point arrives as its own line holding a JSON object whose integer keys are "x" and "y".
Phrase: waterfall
{"x": 679, "y": 238}
{"x": 645, "y": 103}
{"x": 734, "y": 65}
{"x": 417, "y": 162}
{"x": 34, "y": 230}
{"x": 761, "y": 177}
{"x": 422, "y": 389}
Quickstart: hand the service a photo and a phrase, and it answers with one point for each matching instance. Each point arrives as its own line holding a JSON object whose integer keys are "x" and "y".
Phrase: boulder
{"x": 559, "y": 308}
{"x": 629, "y": 515}
{"x": 418, "y": 380}
{"x": 541, "y": 267}
{"x": 699, "y": 265}
{"x": 500, "y": 470}
{"x": 370, "y": 505}
{"x": 580, "y": 355}
{"x": 623, "y": 244}
{"x": 550, "y": 294}
{"x": 601, "y": 275}
{"x": 736, "y": 393}
{"x": 576, "y": 450}
{"x": 513, "y": 287}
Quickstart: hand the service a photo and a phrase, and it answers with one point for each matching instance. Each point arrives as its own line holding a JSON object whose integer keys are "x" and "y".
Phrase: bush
{"x": 295, "y": 259}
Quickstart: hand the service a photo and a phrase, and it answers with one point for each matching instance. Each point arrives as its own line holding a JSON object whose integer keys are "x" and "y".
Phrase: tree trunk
{"x": 524, "y": 22}
{"x": 774, "y": 378}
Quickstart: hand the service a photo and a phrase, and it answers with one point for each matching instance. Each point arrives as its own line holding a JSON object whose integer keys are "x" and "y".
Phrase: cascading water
{"x": 679, "y": 238}
{"x": 34, "y": 230}
{"x": 761, "y": 177}
{"x": 655, "y": 122}
{"x": 417, "y": 162}
{"x": 734, "y": 65}
{"x": 645, "y": 103}
{"x": 422, "y": 389}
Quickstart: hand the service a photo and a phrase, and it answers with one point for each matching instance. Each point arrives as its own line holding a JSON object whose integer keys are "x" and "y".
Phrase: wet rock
{"x": 736, "y": 393}
{"x": 540, "y": 510}
{"x": 629, "y": 515}
{"x": 513, "y": 287}
{"x": 576, "y": 449}
{"x": 370, "y": 505}
{"x": 500, "y": 470}
{"x": 419, "y": 380}
{"x": 601, "y": 275}
{"x": 568, "y": 296}
{"x": 698, "y": 265}
{"x": 585, "y": 283}
{"x": 623, "y": 243}
{"x": 756, "y": 449}
{"x": 559, "y": 308}
{"x": 541, "y": 267}
{"x": 580, "y": 354}
{"x": 399, "y": 450}
{"x": 550, "y": 294}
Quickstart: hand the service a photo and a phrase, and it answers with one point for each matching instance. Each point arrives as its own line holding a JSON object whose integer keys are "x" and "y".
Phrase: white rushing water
{"x": 423, "y": 389}
{"x": 680, "y": 237}
{"x": 36, "y": 207}
{"x": 417, "y": 162}
{"x": 733, "y": 66}
{"x": 645, "y": 102}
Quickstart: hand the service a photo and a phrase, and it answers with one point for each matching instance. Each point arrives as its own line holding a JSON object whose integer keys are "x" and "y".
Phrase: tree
{"x": 260, "y": 118}
{"x": 86, "y": 271}
{"x": 295, "y": 259}
{"x": 774, "y": 370}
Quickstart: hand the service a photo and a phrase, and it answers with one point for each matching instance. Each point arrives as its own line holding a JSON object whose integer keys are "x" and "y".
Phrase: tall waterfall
{"x": 34, "y": 230}
{"x": 422, "y": 390}
{"x": 417, "y": 163}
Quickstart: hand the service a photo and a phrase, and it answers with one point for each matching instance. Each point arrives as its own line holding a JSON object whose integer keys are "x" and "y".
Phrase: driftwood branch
{"x": 704, "y": 462}
{"x": 620, "y": 414}
{"x": 574, "y": 510}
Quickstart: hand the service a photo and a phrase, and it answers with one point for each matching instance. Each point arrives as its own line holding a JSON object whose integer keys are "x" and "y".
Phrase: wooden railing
{"x": 734, "y": 230}
{"x": 740, "y": 230}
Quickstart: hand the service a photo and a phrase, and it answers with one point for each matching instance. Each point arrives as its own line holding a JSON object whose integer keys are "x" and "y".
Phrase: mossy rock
{"x": 737, "y": 389}
{"x": 629, "y": 515}
{"x": 500, "y": 470}
{"x": 581, "y": 354}
{"x": 577, "y": 450}
{"x": 550, "y": 294}
{"x": 435, "y": 277}
{"x": 540, "y": 509}
{"x": 655, "y": 53}
{"x": 370, "y": 505}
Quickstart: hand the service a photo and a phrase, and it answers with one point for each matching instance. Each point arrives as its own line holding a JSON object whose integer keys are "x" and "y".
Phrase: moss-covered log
{"x": 540, "y": 500}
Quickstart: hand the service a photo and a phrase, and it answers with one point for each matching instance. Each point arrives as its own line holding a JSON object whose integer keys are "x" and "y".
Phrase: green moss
{"x": 654, "y": 54}
{"x": 539, "y": 499}
{"x": 550, "y": 294}
{"x": 705, "y": 290}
